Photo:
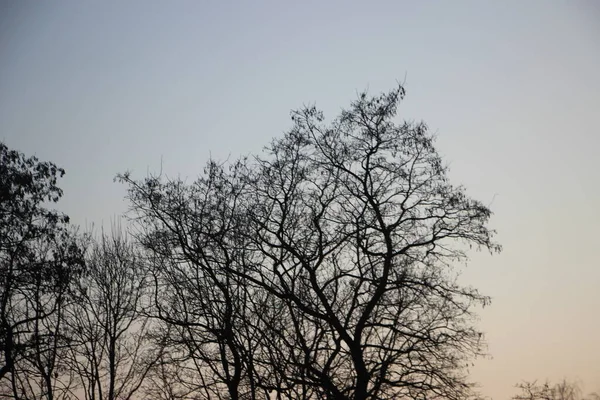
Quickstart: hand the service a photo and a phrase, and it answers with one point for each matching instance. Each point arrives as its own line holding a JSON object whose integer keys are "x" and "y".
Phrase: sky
{"x": 511, "y": 88}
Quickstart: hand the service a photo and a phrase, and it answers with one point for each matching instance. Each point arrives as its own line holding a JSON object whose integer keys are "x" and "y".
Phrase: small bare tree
{"x": 110, "y": 351}
{"x": 191, "y": 234}
{"x": 563, "y": 390}
{"x": 41, "y": 372}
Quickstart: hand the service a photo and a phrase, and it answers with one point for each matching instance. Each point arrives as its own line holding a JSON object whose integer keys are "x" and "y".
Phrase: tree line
{"x": 563, "y": 390}
{"x": 321, "y": 268}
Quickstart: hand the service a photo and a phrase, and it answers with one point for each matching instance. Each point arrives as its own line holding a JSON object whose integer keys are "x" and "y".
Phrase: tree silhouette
{"x": 563, "y": 390}
{"x": 110, "y": 351}
{"x": 39, "y": 259}
{"x": 323, "y": 268}
{"x": 204, "y": 308}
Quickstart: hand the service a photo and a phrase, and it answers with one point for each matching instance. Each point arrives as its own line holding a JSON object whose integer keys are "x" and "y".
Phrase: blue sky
{"x": 510, "y": 87}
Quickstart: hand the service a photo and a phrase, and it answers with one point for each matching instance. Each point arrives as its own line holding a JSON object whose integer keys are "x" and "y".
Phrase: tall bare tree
{"x": 360, "y": 226}
{"x": 334, "y": 253}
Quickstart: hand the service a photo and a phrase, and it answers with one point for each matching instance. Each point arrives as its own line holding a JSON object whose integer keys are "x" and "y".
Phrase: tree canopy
{"x": 321, "y": 268}
{"x": 39, "y": 258}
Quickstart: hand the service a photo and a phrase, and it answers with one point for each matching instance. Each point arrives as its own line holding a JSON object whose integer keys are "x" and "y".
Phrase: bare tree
{"x": 334, "y": 253}
{"x": 110, "y": 352}
{"x": 41, "y": 372}
{"x": 201, "y": 304}
{"x": 358, "y": 223}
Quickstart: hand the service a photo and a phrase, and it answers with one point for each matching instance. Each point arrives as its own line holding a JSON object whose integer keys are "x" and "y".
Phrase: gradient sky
{"x": 511, "y": 88}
